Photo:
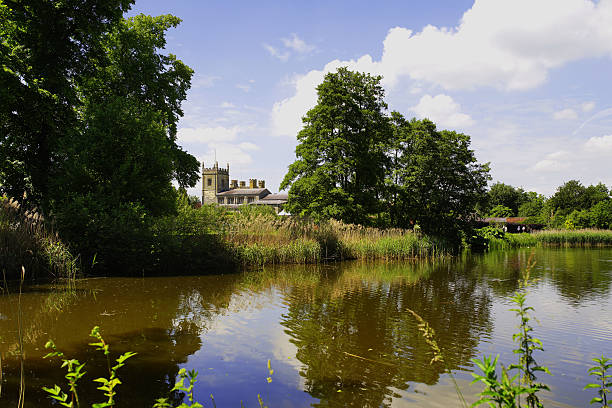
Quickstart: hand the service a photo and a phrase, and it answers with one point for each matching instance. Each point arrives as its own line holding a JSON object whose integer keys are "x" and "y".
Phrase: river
{"x": 336, "y": 335}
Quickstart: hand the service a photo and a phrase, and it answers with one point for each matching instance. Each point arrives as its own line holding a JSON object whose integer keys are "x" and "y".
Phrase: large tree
{"x": 46, "y": 48}
{"x": 340, "y": 156}
{"x": 436, "y": 180}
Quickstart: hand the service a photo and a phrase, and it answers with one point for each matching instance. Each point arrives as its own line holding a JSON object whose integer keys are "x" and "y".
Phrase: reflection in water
{"x": 356, "y": 342}
{"x": 339, "y": 332}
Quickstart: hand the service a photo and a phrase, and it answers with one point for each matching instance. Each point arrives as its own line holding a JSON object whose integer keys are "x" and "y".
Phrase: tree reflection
{"x": 357, "y": 342}
{"x": 159, "y": 318}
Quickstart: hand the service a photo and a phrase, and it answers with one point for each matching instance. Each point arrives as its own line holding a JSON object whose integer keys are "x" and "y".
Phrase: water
{"x": 337, "y": 335}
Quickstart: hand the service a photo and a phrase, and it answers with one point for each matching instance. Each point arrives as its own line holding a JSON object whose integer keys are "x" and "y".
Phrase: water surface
{"x": 336, "y": 335}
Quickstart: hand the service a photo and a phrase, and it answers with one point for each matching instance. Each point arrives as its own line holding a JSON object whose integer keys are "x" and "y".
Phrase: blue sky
{"x": 528, "y": 80}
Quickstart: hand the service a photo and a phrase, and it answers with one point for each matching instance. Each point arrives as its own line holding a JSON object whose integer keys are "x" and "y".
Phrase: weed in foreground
{"x": 604, "y": 380}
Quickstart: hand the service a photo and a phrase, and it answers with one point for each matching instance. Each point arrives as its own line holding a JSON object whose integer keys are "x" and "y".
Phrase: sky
{"x": 528, "y": 80}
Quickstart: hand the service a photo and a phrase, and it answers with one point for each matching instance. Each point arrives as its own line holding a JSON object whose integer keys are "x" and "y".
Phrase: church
{"x": 217, "y": 189}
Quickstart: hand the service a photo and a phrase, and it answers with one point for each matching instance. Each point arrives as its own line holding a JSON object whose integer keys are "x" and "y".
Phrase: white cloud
{"x": 599, "y": 145}
{"x": 507, "y": 45}
{"x": 276, "y": 53}
{"x": 237, "y": 154}
{"x": 588, "y": 106}
{"x": 209, "y": 134}
{"x": 442, "y": 110}
{"x": 565, "y": 114}
{"x": 227, "y": 105}
{"x": 204, "y": 81}
{"x": 298, "y": 45}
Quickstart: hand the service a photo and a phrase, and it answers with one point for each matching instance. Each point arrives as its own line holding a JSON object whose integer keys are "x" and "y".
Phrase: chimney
{"x": 234, "y": 184}
{"x": 262, "y": 184}
{"x": 242, "y": 184}
{"x": 252, "y": 183}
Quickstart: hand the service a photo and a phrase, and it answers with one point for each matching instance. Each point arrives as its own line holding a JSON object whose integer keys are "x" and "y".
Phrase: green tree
{"x": 46, "y": 48}
{"x": 501, "y": 211}
{"x": 533, "y": 205}
{"x": 507, "y": 196}
{"x": 438, "y": 179}
{"x": 125, "y": 150}
{"x": 569, "y": 197}
{"x": 123, "y": 156}
{"x": 340, "y": 158}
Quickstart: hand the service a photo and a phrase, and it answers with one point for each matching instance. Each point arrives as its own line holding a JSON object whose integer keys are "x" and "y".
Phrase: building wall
{"x": 214, "y": 180}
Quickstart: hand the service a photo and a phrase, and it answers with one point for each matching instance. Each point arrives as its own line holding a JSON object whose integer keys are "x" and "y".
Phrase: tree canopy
{"x": 358, "y": 164}
{"x": 340, "y": 157}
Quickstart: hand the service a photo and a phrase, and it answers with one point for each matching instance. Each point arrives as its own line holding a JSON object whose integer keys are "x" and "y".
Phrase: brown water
{"x": 336, "y": 335}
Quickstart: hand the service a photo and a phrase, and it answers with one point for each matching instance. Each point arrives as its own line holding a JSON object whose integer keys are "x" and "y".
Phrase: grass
{"x": 26, "y": 240}
{"x": 265, "y": 238}
{"x": 564, "y": 238}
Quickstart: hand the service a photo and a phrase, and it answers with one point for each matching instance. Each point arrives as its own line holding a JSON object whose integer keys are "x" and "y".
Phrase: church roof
{"x": 245, "y": 191}
{"x": 277, "y": 196}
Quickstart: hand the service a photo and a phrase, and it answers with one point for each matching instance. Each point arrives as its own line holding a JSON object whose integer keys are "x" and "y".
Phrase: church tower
{"x": 214, "y": 180}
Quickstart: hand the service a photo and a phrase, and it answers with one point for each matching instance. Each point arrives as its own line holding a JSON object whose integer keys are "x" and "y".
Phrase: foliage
{"x": 75, "y": 371}
{"x": 26, "y": 239}
{"x": 508, "y": 391}
{"x": 436, "y": 181}
{"x": 504, "y": 195}
{"x": 339, "y": 166}
{"x": 600, "y": 372}
{"x": 501, "y": 211}
{"x": 47, "y": 48}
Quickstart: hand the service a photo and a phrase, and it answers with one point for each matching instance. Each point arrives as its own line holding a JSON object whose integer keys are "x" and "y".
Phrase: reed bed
{"x": 25, "y": 240}
{"x": 564, "y": 238}
{"x": 263, "y": 238}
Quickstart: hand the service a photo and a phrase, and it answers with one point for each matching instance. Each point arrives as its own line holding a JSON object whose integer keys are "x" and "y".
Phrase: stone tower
{"x": 214, "y": 180}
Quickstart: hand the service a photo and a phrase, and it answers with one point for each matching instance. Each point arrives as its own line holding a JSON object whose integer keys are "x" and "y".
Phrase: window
{"x": 220, "y": 200}
{"x": 250, "y": 200}
{"x": 230, "y": 200}
{"x": 239, "y": 200}
{"x": 209, "y": 181}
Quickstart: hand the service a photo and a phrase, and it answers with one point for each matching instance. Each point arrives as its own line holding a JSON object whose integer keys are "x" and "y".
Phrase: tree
{"x": 532, "y": 205}
{"x": 123, "y": 156}
{"x": 340, "y": 158}
{"x": 125, "y": 150}
{"x": 569, "y": 197}
{"x": 46, "y": 47}
{"x": 507, "y": 196}
{"x": 437, "y": 177}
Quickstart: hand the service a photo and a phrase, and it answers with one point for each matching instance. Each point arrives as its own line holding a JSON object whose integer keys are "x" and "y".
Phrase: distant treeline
{"x": 572, "y": 206}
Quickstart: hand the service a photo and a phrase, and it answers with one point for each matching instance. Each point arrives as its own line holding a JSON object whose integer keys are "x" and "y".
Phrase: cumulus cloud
{"x": 599, "y": 145}
{"x": 588, "y": 106}
{"x": 505, "y": 45}
{"x": 565, "y": 114}
{"x": 298, "y": 45}
{"x": 443, "y": 110}
{"x": 553, "y": 162}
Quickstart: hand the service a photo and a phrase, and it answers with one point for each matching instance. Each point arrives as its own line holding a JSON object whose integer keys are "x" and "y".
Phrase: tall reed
{"x": 264, "y": 238}
{"x": 564, "y": 238}
{"x": 27, "y": 240}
